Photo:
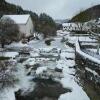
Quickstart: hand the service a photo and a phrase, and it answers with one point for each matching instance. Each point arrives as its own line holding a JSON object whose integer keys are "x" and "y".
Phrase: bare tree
{"x": 7, "y": 76}
{"x": 9, "y": 31}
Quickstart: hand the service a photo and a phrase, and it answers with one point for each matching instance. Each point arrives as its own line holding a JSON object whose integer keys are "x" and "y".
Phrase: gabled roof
{"x": 19, "y": 19}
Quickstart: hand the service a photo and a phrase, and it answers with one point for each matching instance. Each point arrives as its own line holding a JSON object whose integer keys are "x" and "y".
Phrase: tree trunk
{"x": 2, "y": 45}
{"x": 98, "y": 49}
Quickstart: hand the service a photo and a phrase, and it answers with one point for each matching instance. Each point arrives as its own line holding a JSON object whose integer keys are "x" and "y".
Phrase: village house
{"x": 74, "y": 27}
{"x": 24, "y": 22}
{"x": 70, "y": 26}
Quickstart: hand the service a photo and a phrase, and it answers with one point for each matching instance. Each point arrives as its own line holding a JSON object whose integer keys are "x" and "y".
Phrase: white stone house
{"x": 24, "y": 22}
{"x": 73, "y": 27}
{"x": 70, "y": 26}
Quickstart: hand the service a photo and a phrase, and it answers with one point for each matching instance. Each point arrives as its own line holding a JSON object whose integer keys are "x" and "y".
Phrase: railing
{"x": 86, "y": 54}
{"x": 97, "y": 35}
{"x": 93, "y": 54}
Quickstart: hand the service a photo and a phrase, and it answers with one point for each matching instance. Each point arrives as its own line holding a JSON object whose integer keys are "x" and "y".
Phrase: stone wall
{"x": 88, "y": 69}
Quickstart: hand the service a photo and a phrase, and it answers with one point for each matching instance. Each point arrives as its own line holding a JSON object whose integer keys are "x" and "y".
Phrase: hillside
{"x": 88, "y": 14}
{"x": 7, "y": 8}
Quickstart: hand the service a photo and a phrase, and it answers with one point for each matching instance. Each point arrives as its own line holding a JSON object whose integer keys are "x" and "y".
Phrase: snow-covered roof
{"x": 70, "y": 24}
{"x": 19, "y": 19}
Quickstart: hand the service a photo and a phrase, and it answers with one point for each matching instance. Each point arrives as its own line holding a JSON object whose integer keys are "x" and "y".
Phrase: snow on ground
{"x": 70, "y": 63}
{"x": 17, "y": 45}
{"x": 73, "y": 39}
{"x": 86, "y": 38}
{"x": 89, "y": 43}
{"x": 60, "y": 64}
{"x": 69, "y": 48}
{"x": 62, "y": 33}
{"x": 34, "y": 54}
{"x": 83, "y": 38}
{"x": 69, "y": 82}
{"x": 24, "y": 81}
{"x": 32, "y": 41}
{"x": 94, "y": 50}
{"x": 67, "y": 54}
{"x": 7, "y": 94}
{"x": 77, "y": 91}
{"x": 30, "y": 61}
{"x": 92, "y": 71}
{"x": 9, "y": 54}
{"x": 40, "y": 70}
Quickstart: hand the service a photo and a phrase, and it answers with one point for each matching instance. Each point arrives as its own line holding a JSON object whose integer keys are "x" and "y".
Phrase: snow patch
{"x": 7, "y": 94}
{"x": 9, "y": 54}
{"x": 77, "y": 91}
{"x": 78, "y": 50}
{"x": 17, "y": 45}
{"x": 40, "y": 70}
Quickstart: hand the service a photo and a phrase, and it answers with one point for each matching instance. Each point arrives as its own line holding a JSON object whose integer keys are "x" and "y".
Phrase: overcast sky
{"x": 58, "y": 9}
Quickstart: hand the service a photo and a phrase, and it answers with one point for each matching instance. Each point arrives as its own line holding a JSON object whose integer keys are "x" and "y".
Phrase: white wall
{"x": 27, "y": 28}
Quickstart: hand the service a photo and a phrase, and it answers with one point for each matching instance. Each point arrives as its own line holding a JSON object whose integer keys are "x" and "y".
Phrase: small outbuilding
{"x": 24, "y": 22}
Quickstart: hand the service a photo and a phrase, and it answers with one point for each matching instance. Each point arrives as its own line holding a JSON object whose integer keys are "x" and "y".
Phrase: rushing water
{"x": 52, "y": 90}
{"x": 48, "y": 89}
{"x": 44, "y": 90}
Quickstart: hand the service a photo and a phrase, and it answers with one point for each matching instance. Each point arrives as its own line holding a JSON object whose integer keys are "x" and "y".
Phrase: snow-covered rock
{"x": 7, "y": 94}
{"x": 17, "y": 44}
{"x": 40, "y": 70}
{"x": 30, "y": 61}
{"x": 9, "y": 54}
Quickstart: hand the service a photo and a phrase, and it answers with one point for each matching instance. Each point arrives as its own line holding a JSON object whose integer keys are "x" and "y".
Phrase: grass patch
{"x": 4, "y": 58}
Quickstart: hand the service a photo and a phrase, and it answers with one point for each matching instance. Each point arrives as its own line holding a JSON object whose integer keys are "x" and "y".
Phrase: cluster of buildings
{"x": 74, "y": 27}
{"x": 79, "y": 26}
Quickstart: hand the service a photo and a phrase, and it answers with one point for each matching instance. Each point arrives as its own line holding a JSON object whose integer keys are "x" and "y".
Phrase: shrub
{"x": 9, "y": 31}
{"x": 4, "y": 58}
{"x": 7, "y": 76}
